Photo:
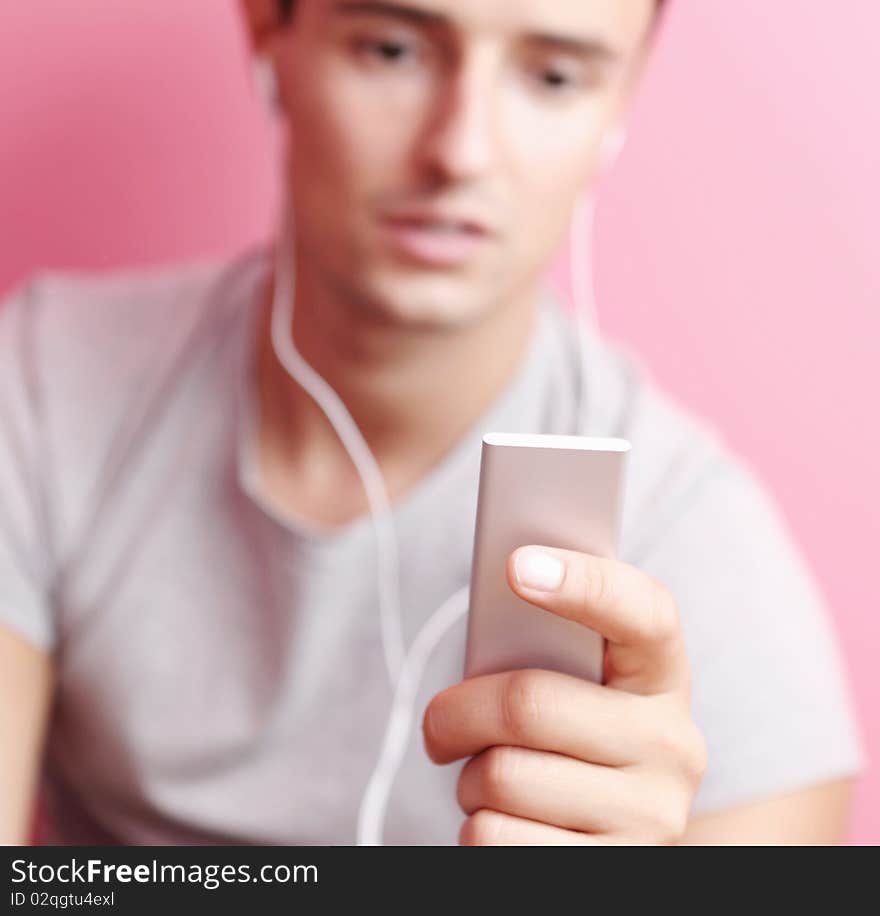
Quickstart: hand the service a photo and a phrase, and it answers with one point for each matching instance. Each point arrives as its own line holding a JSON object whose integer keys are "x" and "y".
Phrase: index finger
{"x": 633, "y": 611}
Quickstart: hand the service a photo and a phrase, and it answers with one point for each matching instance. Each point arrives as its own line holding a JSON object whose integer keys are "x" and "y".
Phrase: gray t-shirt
{"x": 221, "y": 677}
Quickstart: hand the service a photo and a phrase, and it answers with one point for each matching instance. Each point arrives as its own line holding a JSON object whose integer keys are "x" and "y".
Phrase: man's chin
{"x": 433, "y": 301}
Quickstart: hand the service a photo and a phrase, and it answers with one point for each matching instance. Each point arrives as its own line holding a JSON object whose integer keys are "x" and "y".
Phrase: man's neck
{"x": 413, "y": 393}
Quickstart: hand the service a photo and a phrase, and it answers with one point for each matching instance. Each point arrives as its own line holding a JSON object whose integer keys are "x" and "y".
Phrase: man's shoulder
{"x": 99, "y": 372}
{"x": 99, "y": 328}
{"x": 122, "y": 304}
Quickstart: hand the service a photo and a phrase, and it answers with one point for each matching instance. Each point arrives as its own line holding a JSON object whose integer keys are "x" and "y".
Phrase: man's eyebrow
{"x": 383, "y": 8}
{"x": 583, "y": 47}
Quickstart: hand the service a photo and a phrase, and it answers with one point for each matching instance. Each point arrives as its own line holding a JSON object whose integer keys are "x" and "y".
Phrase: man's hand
{"x": 556, "y": 759}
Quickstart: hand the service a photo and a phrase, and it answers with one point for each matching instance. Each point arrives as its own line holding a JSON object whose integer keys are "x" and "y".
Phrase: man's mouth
{"x": 438, "y": 224}
{"x": 435, "y": 239}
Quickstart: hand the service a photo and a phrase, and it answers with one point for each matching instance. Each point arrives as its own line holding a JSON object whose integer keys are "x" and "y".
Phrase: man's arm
{"x": 26, "y": 680}
{"x": 814, "y": 816}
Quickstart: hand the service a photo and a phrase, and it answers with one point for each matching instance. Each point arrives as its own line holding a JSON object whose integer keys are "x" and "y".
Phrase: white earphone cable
{"x": 374, "y": 803}
{"x": 405, "y": 669}
{"x": 284, "y": 295}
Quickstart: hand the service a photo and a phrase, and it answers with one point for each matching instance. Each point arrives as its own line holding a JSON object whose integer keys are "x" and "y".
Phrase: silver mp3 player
{"x": 560, "y": 491}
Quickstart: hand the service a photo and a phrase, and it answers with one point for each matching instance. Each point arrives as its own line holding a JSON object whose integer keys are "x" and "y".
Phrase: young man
{"x": 190, "y": 646}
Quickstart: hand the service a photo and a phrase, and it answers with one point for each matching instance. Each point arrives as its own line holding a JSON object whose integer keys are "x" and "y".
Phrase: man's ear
{"x": 262, "y": 18}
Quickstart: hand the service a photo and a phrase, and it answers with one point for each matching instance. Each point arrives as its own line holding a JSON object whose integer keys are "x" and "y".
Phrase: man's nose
{"x": 461, "y": 140}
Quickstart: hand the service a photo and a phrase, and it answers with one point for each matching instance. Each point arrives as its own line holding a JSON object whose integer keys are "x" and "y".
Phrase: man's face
{"x": 439, "y": 146}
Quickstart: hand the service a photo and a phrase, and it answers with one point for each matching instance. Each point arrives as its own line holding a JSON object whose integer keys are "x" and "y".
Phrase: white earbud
{"x": 266, "y": 82}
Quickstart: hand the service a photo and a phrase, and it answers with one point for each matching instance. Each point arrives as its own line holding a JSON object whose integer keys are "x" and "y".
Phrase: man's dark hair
{"x": 286, "y": 7}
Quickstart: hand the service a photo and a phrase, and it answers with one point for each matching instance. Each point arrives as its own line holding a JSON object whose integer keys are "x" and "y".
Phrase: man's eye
{"x": 385, "y": 50}
{"x": 562, "y": 78}
{"x": 555, "y": 79}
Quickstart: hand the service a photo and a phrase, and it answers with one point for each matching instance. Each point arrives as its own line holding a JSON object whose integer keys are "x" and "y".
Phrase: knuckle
{"x": 498, "y": 769}
{"x": 601, "y": 588}
{"x": 665, "y": 738}
{"x": 667, "y": 745}
{"x": 666, "y": 819}
{"x": 482, "y": 828}
{"x": 523, "y": 700}
{"x": 663, "y": 623}
{"x": 677, "y": 819}
{"x": 675, "y": 740}
{"x": 431, "y": 729}
{"x": 673, "y": 822}
{"x": 696, "y": 758}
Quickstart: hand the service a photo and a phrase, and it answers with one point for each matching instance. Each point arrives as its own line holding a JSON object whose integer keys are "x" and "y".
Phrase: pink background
{"x": 737, "y": 241}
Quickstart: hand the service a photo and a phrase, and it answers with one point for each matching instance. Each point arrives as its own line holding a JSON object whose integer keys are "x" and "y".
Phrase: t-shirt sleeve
{"x": 770, "y": 692}
{"x": 24, "y": 555}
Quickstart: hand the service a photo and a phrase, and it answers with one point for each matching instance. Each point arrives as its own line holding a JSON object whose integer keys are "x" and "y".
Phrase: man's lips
{"x": 435, "y": 238}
